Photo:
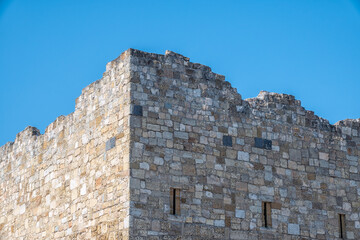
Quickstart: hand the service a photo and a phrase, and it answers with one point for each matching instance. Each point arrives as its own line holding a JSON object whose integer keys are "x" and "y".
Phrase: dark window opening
{"x": 342, "y": 225}
{"x": 174, "y": 201}
{"x": 267, "y": 214}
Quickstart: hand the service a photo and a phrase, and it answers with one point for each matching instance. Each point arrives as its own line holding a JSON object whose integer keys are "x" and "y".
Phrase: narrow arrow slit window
{"x": 267, "y": 214}
{"x": 174, "y": 201}
{"x": 342, "y": 225}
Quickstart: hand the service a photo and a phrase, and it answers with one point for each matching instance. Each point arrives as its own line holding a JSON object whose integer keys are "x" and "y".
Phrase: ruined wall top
{"x": 264, "y": 100}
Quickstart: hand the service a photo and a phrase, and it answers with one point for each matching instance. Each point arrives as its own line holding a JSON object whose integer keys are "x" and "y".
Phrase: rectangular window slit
{"x": 267, "y": 214}
{"x": 342, "y": 225}
{"x": 174, "y": 201}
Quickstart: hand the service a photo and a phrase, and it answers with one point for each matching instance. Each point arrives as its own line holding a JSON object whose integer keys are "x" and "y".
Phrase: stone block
{"x": 263, "y": 143}
{"x": 239, "y": 213}
{"x": 295, "y": 155}
{"x": 293, "y": 229}
{"x": 110, "y": 143}
{"x": 137, "y": 110}
{"x": 244, "y": 156}
{"x": 227, "y": 141}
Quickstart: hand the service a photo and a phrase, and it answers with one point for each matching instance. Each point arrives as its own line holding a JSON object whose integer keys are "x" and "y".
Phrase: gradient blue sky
{"x": 50, "y": 50}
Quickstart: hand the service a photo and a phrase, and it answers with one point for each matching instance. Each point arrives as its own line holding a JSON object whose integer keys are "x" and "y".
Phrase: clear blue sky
{"x": 50, "y": 50}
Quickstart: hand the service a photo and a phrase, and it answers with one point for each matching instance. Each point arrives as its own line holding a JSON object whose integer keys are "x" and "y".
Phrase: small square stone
{"x": 137, "y": 110}
{"x": 168, "y": 105}
{"x": 227, "y": 141}
{"x": 293, "y": 229}
{"x": 240, "y": 213}
{"x": 110, "y": 143}
{"x": 267, "y": 144}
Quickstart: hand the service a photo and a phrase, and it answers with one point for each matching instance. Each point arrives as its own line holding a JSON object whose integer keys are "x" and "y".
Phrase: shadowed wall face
{"x": 261, "y": 168}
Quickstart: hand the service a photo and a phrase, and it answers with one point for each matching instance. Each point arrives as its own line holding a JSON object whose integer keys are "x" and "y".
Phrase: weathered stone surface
{"x": 263, "y": 143}
{"x": 106, "y": 170}
{"x": 110, "y": 143}
{"x": 227, "y": 141}
{"x": 72, "y": 181}
{"x": 293, "y": 229}
{"x": 137, "y": 110}
{"x": 240, "y": 213}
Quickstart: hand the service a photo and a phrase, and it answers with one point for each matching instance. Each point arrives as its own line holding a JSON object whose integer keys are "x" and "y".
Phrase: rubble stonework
{"x": 154, "y": 123}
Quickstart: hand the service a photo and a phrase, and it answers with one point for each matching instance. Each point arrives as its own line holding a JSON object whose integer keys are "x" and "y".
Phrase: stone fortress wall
{"x": 310, "y": 174}
{"x": 155, "y": 123}
{"x": 72, "y": 182}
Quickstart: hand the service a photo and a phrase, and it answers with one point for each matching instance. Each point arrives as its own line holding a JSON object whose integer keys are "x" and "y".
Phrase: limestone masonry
{"x": 163, "y": 148}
